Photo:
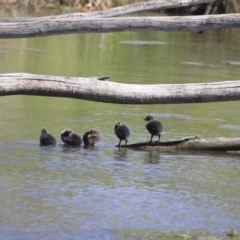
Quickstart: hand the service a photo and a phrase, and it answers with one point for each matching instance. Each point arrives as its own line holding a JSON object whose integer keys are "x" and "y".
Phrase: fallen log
{"x": 114, "y": 12}
{"x": 194, "y": 143}
{"x": 100, "y": 90}
{"x": 40, "y": 28}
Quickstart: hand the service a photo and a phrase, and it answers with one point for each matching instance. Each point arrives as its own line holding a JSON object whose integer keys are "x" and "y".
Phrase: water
{"x": 104, "y": 192}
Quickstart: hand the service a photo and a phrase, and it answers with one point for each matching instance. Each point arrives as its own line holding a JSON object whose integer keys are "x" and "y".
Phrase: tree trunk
{"x": 192, "y": 144}
{"x": 100, "y": 90}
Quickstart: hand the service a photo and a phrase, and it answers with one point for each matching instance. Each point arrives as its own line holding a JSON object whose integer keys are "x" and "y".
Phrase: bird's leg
{"x": 151, "y": 140}
{"x": 159, "y": 136}
{"x": 126, "y": 141}
{"x": 119, "y": 143}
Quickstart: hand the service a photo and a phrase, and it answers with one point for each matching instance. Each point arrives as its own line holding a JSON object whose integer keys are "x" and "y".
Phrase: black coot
{"x": 154, "y": 127}
{"x": 91, "y": 137}
{"x": 122, "y": 132}
{"x": 70, "y": 138}
{"x": 46, "y": 138}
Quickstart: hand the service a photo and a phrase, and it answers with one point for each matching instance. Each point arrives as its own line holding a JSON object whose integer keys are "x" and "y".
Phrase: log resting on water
{"x": 99, "y": 89}
{"x": 40, "y": 28}
{"x": 194, "y": 143}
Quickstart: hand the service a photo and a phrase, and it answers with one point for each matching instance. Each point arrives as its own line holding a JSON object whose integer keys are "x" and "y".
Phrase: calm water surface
{"x": 104, "y": 192}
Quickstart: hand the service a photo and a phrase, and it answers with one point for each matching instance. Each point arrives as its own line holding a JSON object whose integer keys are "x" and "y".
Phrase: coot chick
{"x": 46, "y": 138}
{"x": 122, "y": 132}
{"x": 70, "y": 138}
{"x": 90, "y": 138}
{"x": 154, "y": 127}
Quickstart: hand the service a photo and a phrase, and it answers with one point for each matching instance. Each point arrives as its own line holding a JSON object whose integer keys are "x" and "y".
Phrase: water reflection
{"x": 69, "y": 149}
{"x": 121, "y": 154}
{"x": 138, "y": 42}
{"x": 154, "y": 157}
{"x": 151, "y": 156}
{"x": 234, "y": 63}
{"x": 45, "y": 149}
{"x": 200, "y": 64}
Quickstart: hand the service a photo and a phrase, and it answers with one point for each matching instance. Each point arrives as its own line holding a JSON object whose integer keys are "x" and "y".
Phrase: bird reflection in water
{"x": 121, "y": 154}
{"x": 154, "y": 157}
{"x": 69, "y": 149}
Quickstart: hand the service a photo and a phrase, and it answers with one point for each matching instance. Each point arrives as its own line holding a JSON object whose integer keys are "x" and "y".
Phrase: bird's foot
{"x": 151, "y": 143}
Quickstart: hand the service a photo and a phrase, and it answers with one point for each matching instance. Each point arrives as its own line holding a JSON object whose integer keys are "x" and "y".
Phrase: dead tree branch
{"x": 100, "y": 90}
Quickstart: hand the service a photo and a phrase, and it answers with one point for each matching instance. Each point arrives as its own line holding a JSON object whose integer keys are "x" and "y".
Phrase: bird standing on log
{"x": 154, "y": 127}
{"x": 90, "y": 138}
{"x": 46, "y": 138}
{"x": 122, "y": 132}
{"x": 70, "y": 138}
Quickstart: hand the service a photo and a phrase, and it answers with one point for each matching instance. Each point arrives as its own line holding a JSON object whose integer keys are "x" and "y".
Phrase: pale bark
{"x": 117, "y": 11}
{"x": 100, "y": 90}
{"x": 191, "y": 144}
{"x": 72, "y": 26}
{"x": 100, "y": 21}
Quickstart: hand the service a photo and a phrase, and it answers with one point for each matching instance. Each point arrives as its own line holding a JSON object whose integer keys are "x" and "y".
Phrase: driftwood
{"x": 191, "y": 143}
{"x": 101, "y": 90}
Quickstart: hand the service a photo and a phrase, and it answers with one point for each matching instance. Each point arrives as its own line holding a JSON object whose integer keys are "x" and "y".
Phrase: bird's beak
{"x": 91, "y": 135}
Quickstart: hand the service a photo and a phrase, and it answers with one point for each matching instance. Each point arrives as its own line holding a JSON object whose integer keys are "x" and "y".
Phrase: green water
{"x": 106, "y": 193}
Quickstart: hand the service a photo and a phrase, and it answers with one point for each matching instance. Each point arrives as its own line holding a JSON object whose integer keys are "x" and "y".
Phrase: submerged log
{"x": 100, "y": 90}
{"x": 194, "y": 143}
